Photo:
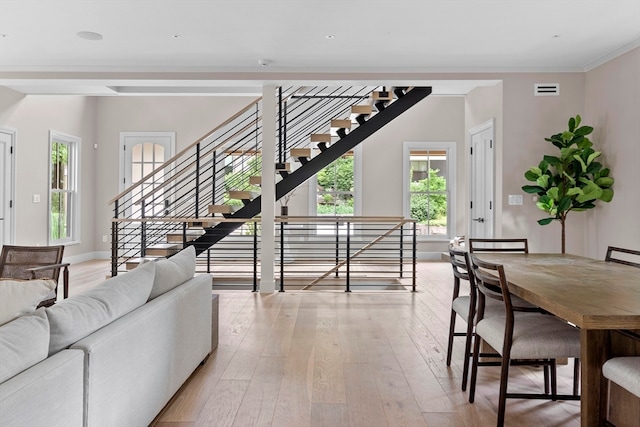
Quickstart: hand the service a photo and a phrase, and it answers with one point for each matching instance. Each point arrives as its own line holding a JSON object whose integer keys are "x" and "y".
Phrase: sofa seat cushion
{"x": 74, "y": 318}
{"x": 23, "y": 343}
{"x": 173, "y": 271}
{"x": 20, "y": 297}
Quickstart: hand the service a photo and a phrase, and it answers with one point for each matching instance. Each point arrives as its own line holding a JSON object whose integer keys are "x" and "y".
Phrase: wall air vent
{"x": 546, "y": 89}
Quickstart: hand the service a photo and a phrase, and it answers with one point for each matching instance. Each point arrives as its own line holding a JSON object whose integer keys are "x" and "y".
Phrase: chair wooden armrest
{"x": 65, "y": 275}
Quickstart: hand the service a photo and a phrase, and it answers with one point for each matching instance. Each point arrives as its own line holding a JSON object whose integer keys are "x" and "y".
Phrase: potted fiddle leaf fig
{"x": 571, "y": 180}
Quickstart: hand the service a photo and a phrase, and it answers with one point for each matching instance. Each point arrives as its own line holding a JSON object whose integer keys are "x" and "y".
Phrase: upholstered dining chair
{"x": 35, "y": 262}
{"x": 624, "y": 372}
{"x": 520, "y": 336}
{"x": 614, "y": 255}
{"x": 464, "y": 305}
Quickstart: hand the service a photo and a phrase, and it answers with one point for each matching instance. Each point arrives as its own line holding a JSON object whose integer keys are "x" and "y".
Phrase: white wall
{"x": 612, "y": 106}
{"x": 33, "y": 117}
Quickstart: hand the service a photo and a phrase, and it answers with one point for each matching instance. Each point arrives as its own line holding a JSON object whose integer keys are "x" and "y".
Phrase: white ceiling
{"x": 214, "y": 46}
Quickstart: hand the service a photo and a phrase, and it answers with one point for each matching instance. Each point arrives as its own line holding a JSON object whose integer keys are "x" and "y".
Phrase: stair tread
{"x": 223, "y": 209}
{"x": 341, "y": 123}
{"x": 163, "y": 246}
{"x": 243, "y": 195}
{"x": 382, "y": 95}
{"x": 361, "y": 109}
{"x": 283, "y": 167}
{"x": 320, "y": 137}
{"x": 300, "y": 152}
{"x": 255, "y": 180}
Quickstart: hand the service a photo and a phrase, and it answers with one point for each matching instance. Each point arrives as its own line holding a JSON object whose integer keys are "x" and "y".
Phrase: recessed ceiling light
{"x": 264, "y": 62}
{"x": 176, "y": 36}
{"x": 555, "y": 36}
{"x": 89, "y": 35}
{"x": 3, "y": 35}
{"x": 330, "y": 37}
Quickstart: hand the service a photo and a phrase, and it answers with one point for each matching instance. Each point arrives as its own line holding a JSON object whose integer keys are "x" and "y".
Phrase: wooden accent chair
{"x": 521, "y": 336}
{"x": 35, "y": 262}
{"x": 613, "y": 257}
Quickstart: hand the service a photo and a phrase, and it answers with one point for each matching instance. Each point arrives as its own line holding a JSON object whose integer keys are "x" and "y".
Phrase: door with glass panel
{"x": 141, "y": 153}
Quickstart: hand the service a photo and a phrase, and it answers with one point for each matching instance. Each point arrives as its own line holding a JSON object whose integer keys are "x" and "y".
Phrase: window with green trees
{"x": 428, "y": 191}
{"x": 335, "y": 187}
{"x": 63, "y": 191}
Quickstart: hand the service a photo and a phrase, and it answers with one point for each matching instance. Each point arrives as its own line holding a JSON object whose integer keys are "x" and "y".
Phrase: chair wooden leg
{"x": 467, "y": 354}
{"x": 554, "y": 383}
{"x": 474, "y": 368}
{"x": 504, "y": 378}
{"x": 452, "y": 328}
{"x": 576, "y": 377}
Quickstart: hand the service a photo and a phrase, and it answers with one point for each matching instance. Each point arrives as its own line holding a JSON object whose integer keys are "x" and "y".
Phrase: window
{"x": 63, "y": 191}
{"x": 335, "y": 188}
{"x": 429, "y": 172}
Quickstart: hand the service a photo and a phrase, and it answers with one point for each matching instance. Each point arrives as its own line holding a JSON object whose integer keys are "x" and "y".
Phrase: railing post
{"x": 414, "y": 252}
{"x": 281, "y": 255}
{"x": 213, "y": 178}
{"x": 337, "y": 247}
{"x": 255, "y": 256}
{"x": 402, "y": 251}
{"x": 114, "y": 243}
{"x": 208, "y": 260}
{"x": 348, "y": 256}
{"x": 143, "y": 232}
{"x": 280, "y": 154}
{"x": 197, "y": 180}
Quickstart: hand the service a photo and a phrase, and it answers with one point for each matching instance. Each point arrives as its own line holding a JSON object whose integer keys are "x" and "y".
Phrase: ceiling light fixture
{"x": 330, "y": 37}
{"x": 264, "y": 62}
{"x": 555, "y": 36}
{"x": 89, "y": 35}
{"x": 176, "y": 36}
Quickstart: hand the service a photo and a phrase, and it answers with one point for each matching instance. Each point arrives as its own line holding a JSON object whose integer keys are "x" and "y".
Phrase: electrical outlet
{"x": 104, "y": 238}
{"x": 36, "y": 198}
{"x": 515, "y": 199}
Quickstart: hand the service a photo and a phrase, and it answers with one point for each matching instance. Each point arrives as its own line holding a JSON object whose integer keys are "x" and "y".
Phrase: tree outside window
{"x": 428, "y": 191}
{"x": 335, "y": 187}
{"x": 63, "y": 192}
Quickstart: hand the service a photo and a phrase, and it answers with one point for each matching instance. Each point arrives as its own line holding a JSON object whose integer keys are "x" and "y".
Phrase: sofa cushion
{"x": 23, "y": 343}
{"x": 19, "y": 297}
{"x": 173, "y": 271}
{"x": 76, "y": 317}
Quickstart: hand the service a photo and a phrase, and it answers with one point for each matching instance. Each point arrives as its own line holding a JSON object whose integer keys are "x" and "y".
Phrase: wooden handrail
{"x": 174, "y": 158}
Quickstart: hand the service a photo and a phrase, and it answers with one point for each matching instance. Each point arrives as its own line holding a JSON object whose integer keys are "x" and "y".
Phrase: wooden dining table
{"x": 598, "y": 297}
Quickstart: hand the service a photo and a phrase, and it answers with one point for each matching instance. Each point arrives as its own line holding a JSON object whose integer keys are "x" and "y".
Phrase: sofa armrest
{"x": 47, "y": 394}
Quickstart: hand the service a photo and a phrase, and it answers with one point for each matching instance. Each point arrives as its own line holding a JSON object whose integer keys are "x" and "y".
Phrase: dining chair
{"x": 623, "y": 371}
{"x": 613, "y": 257}
{"x": 498, "y": 245}
{"x": 521, "y": 336}
{"x": 36, "y": 262}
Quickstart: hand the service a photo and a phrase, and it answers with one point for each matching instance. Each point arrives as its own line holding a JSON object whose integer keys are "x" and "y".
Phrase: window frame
{"x": 73, "y": 209}
{"x": 450, "y": 149}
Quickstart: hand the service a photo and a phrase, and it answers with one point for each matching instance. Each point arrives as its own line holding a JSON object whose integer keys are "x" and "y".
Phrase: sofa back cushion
{"x": 173, "y": 271}
{"x": 74, "y": 318}
{"x": 19, "y": 297}
{"x": 23, "y": 343}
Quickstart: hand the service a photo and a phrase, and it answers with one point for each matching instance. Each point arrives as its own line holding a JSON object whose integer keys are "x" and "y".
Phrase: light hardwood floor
{"x": 361, "y": 359}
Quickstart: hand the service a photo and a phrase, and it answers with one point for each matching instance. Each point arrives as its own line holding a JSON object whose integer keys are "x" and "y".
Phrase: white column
{"x": 268, "y": 241}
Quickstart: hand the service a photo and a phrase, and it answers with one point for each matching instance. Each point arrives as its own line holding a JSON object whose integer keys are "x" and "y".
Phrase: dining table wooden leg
{"x": 594, "y": 350}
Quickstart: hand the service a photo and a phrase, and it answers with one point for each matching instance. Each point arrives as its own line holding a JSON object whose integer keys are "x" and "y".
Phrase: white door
{"x": 481, "y": 187}
{"x": 6, "y": 186}
{"x": 140, "y": 154}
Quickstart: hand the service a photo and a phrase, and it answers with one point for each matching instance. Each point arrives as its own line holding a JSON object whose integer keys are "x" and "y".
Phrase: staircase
{"x": 316, "y": 126}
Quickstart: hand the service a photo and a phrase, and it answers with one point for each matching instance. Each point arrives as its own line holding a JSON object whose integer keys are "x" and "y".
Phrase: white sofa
{"x": 113, "y": 363}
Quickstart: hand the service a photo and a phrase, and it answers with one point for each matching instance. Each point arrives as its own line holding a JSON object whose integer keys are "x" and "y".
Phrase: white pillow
{"x": 20, "y": 297}
{"x": 74, "y": 318}
{"x": 23, "y": 343}
{"x": 174, "y": 271}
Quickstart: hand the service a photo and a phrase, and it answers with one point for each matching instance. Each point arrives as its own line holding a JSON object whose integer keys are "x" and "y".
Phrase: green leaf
{"x": 543, "y": 166}
{"x": 578, "y": 119}
{"x": 604, "y": 182}
{"x": 591, "y": 191}
{"x": 607, "y": 195}
{"x": 564, "y": 204}
{"x": 545, "y": 221}
{"x": 531, "y": 176}
{"x": 553, "y": 193}
{"x": 582, "y": 163}
{"x": 574, "y": 191}
{"x": 533, "y": 189}
{"x": 593, "y": 156}
{"x": 543, "y": 181}
{"x": 584, "y": 130}
{"x": 594, "y": 168}
{"x": 566, "y": 153}
{"x": 572, "y": 124}
{"x": 569, "y": 178}
{"x": 567, "y": 136}
{"x": 605, "y": 172}
{"x": 552, "y": 160}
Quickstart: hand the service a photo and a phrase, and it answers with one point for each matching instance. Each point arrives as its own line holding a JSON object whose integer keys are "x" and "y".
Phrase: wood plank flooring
{"x": 360, "y": 359}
